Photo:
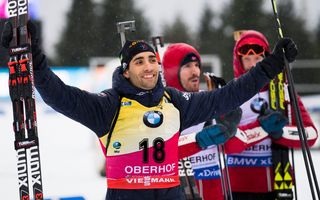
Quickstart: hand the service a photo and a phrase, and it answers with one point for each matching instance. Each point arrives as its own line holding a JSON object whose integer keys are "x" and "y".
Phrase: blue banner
{"x": 243, "y": 161}
{"x": 207, "y": 173}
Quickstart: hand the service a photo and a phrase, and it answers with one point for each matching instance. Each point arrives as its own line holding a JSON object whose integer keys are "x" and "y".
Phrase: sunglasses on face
{"x": 251, "y": 49}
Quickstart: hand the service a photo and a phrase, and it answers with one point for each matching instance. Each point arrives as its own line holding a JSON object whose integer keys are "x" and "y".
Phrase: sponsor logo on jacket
{"x": 153, "y": 119}
{"x": 147, "y": 180}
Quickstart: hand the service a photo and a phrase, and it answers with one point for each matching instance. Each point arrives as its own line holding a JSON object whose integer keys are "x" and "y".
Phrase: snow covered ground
{"x": 71, "y": 158}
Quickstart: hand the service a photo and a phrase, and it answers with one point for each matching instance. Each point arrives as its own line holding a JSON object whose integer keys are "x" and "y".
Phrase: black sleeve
{"x": 94, "y": 111}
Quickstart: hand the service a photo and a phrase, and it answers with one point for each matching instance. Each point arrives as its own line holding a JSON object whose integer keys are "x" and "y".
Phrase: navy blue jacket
{"x": 96, "y": 111}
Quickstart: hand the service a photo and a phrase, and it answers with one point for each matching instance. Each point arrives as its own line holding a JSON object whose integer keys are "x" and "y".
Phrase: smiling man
{"x": 145, "y": 78}
{"x": 144, "y": 71}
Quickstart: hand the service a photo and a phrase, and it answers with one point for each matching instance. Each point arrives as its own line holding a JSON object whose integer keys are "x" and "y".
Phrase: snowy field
{"x": 71, "y": 159}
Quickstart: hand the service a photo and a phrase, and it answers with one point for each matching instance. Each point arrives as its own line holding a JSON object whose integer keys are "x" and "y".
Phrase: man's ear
{"x": 126, "y": 73}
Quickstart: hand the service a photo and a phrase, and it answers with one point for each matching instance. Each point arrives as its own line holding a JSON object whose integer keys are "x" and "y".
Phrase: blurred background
{"x": 81, "y": 41}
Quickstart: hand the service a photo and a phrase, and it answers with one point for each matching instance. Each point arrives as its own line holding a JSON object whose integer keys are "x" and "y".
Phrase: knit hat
{"x": 190, "y": 57}
{"x": 174, "y": 57}
{"x": 132, "y": 48}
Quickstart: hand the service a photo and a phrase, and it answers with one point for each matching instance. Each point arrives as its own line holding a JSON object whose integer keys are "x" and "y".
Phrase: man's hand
{"x": 274, "y": 63}
{"x": 37, "y": 55}
{"x": 285, "y": 46}
{"x": 6, "y": 35}
{"x": 231, "y": 120}
{"x": 273, "y": 122}
{"x": 221, "y": 132}
{"x": 212, "y": 135}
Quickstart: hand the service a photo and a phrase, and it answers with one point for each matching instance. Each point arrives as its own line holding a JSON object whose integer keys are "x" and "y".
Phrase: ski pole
{"x": 211, "y": 86}
{"x": 122, "y": 27}
{"x": 155, "y": 41}
{"x": 189, "y": 182}
{"x": 225, "y": 178}
{"x": 294, "y": 174}
{"x": 302, "y": 135}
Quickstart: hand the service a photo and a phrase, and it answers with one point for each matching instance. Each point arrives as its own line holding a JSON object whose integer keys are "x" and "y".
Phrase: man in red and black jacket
{"x": 253, "y": 178}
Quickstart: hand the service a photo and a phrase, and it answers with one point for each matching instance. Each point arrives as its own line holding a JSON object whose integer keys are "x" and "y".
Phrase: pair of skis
{"x": 283, "y": 171}
{"x": 22, "y": 94}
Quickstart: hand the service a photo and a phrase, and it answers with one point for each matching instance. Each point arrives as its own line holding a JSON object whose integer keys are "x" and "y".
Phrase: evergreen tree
{"x": 210, "y": 34}
{"x": 75, "y": 47}
{"x": 241, "y": 15}
{"x": 108, "y": 40}
{"x": 250, "y": 14}
{"x": 294, "y": 27}
{"x": 317, "y": 40}
{"x": 178, "y": 31}
{"x": 309, "y": 75}
{"x": 247, "y": 14}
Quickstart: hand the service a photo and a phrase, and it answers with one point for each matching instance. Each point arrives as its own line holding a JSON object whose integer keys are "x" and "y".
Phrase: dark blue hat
{"x": 132, "y": 48}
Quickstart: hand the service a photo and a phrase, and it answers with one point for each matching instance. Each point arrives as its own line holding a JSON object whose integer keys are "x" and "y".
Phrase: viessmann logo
{"x": 153, "y": 119}
{"x": 147, "y": 181}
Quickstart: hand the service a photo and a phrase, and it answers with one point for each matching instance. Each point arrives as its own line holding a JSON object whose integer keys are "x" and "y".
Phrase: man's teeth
{"x": 148, "y": 76}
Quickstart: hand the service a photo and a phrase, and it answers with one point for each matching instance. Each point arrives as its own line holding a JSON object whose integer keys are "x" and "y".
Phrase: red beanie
{"x": 174, "y": 57}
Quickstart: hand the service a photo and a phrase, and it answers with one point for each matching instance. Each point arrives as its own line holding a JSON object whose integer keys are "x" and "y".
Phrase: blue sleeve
{"x": 94, "y": 111}
{"x": 203, "y": 106}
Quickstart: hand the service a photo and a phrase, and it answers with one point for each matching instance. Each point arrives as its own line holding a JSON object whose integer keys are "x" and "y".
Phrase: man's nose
{"x": 252, "y": 63}
{"x": 148, "y": 66}
{"x": 194, "y": 69}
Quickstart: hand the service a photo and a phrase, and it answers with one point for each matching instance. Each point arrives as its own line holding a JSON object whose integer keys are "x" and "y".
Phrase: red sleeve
{"x": 188, "y": 150}
{"x": 188, "y": 145}
{"x": 246, "y": 136}
{"x": 290, "y": 137}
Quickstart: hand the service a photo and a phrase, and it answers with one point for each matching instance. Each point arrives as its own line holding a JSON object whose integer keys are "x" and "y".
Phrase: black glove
{"x": 274, "y": 63}
{"x": 289, "y": 48}
{"x": 6, "y": 35}
{"x": 231, "y": 120}
{"x": 37, "y": 55}
{"x": 213, "y": 82}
